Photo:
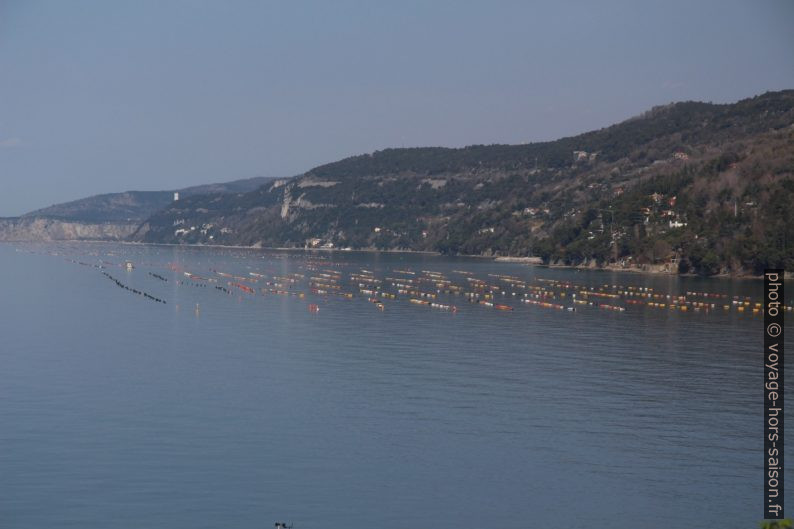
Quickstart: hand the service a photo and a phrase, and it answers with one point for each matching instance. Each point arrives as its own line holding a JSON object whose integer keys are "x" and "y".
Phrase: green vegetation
{"x": 776, "y": 524}
{"x": 134, "y": 206}
{"x": 688, "y": 187}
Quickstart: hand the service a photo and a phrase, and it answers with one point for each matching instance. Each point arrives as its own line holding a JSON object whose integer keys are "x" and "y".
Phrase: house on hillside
{"x": 584, "y": 156}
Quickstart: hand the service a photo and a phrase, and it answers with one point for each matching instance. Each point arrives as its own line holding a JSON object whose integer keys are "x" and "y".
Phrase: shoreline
{"x": 231, "y": 246}
{"x": 276, "y": 248}
{"x": 654, "y": 272}
{"x": 527, "y": 261}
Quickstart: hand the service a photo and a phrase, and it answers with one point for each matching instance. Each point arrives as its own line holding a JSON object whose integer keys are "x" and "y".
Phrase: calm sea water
{"x": 116, "y": 411}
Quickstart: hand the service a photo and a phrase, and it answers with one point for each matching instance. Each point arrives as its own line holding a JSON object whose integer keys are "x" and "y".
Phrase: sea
{"x": 205, "y": 387}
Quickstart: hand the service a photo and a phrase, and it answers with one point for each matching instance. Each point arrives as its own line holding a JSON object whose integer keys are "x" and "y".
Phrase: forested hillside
{"x": 690, "y": 187}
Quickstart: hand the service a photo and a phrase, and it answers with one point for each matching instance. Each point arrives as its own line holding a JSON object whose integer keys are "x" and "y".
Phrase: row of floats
{"x": 432, "y": 289}
{"x": 328, "y": 280}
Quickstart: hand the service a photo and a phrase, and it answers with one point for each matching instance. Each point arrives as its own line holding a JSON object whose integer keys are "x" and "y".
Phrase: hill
{"x": 135, "y": 206}
{"x": 112, "y": 216}
{"x": 689, "y": 187}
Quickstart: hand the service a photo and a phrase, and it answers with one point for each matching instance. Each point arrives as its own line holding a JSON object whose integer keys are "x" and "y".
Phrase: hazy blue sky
{"x": 101, "y": 96}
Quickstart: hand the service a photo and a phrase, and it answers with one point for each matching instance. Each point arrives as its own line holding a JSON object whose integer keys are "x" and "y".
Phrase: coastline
{"x": 278, "y": 248}
{"x": 229, "y": 246}
{"x": 527, "y": 261}
{"x": 788, "y": 275}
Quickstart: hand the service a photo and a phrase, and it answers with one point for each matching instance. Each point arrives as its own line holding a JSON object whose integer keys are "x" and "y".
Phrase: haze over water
{"x": 117, "y": 411}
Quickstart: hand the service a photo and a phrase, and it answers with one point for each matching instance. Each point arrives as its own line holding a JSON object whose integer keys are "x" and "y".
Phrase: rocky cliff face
{"x": 108, "y": 217}
{"x": 43, "y": 229}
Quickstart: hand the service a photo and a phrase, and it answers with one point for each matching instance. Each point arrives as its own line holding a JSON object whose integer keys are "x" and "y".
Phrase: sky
{"x": 99, "y": 97}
